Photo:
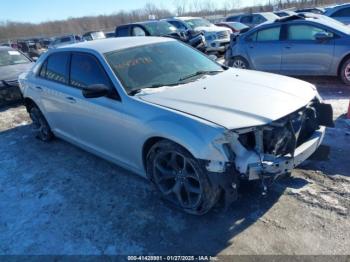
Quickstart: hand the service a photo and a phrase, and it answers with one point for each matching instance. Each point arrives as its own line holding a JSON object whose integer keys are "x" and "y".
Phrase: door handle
{"x": 288, "y": 47}
{"x": 71, "y": 100}
{"x": 39, "y": 88}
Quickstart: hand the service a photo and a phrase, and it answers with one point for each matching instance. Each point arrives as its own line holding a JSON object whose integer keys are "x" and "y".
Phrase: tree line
{"x": 18, "y": 30}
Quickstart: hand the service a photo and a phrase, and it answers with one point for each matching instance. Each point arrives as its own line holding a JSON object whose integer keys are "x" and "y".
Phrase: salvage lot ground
{"x": 58, "y": 199}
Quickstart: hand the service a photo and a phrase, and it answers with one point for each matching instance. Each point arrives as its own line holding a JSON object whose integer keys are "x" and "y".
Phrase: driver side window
{"x": 86, "y": 71}
{"x": 138, "y": 31}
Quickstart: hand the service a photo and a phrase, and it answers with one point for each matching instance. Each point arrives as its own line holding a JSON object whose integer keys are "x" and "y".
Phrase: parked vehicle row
{"x": 164, "y": 29}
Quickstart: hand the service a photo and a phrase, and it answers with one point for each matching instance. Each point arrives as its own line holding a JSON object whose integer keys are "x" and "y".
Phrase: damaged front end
{"x": 276, "y": 148}
{"x": 266, "y": 152}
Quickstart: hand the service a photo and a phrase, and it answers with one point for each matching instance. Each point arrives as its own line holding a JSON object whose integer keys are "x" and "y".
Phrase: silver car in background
{"x": 166, "y": 111}
{"x": 295, "y": 45}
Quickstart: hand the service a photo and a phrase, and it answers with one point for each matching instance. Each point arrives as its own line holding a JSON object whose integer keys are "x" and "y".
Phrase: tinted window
{"x": 303, "y": 32}
{"x": 56, "y": 69}
{"x": 342, "y": 13}
{"x": 86, "y": 71}
{"x": 232, "y": 19}
{"x": 246, "y": 19}
{"x": 258, "y": 19}
{"x": 122, "y": 31}
{"x": 270, "y": 34}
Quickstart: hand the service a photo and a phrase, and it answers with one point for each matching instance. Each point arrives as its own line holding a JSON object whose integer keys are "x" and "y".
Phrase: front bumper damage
{"x": 269, "y": 151}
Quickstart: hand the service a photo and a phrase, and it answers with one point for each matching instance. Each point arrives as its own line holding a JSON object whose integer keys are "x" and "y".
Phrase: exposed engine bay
{"x": 278, "y": 147}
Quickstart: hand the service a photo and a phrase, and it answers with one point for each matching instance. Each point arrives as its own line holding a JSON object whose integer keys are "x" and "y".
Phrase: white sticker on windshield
{"x": 13, "y": 52}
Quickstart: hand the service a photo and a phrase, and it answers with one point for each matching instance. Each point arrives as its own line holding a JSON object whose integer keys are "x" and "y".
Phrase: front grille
{"x": 223, "y": 35}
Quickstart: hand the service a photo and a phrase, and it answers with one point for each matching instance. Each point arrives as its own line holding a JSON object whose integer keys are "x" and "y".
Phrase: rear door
{"x": 52, "y": 87}
{"x": 264, "y": 49}
{"x": 303, "y": 54}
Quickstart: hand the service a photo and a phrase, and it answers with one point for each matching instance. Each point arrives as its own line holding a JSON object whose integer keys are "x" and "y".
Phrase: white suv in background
{"x": 217, "y": 38}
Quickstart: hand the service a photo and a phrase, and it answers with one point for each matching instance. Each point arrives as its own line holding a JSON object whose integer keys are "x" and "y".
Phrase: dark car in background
{"x": 65, "y": 40}
{"x": 295, "y": 46}
{"x": 161, "y": 28}
{"x": 12, "y": 64}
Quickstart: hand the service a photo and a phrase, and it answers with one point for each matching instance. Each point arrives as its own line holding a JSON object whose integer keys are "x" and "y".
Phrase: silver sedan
{"x": 167, "y": 112}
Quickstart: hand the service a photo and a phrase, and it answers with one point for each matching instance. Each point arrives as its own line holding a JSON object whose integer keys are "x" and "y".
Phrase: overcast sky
{"x": 36, "y": 11}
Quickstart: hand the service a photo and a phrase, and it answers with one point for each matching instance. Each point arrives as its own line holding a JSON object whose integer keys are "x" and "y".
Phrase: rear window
{"x": 56, "y": 68}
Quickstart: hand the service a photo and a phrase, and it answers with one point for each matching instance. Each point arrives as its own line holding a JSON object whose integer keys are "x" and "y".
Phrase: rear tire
{"x": 40, "y": 126}
{"x": 180, "y": 178}
{"x": 345, "y": 72}
{"x": 238, "y": 62}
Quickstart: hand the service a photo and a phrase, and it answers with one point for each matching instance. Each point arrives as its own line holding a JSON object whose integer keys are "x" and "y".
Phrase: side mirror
{"x": 323, "y": 36}
{"x": 95, "y": 91}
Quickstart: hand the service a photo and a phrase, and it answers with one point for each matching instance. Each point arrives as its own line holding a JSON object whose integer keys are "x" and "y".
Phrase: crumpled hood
{"x": 235, "y": 98}
{"x": 12, "y": 72}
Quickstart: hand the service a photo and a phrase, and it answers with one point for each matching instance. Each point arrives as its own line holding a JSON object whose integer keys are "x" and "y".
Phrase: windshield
{"x": 160, "y": 28}
{"x": 160, "y": 64}
{"x": 12, "y": 57}
{"x": 198, "y": 22}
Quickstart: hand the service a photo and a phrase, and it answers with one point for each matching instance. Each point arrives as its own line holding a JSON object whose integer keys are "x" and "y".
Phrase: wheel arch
{"x": 151, "y": 141}
{"x": 342, "y": 61}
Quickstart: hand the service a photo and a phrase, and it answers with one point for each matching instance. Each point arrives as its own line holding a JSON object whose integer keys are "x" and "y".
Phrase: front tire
{"x": 180, "y": 178}
{"x": 345, "y": 72}
{"x": 40, "y": 126}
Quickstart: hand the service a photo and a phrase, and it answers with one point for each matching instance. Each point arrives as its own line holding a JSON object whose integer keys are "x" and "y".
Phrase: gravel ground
{"x": 58, "y": 199}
